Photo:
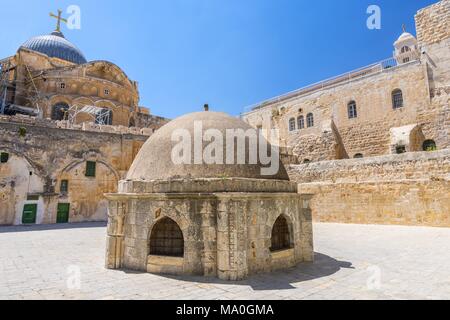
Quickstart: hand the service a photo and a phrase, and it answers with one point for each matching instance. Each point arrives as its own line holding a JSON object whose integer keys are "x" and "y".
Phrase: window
{"x": 4, "y": 157}
{"x": 107, "y": 92}
{"x": 62, "y": 85}
{"x": 358, "y": 156}
{"x": 91, "y": 168}
{"x": 104, "y": 117}
{"x": 400, "y": 149}
{"x": 306, "y": 161}
{"x": 429, "y": 145}
{"x": 352, "y": 112}
{"x": 301, "y": 122}
{"x": 310, "y": 120}
{"x": 280, "y": 235}
{"x": 406, "y": 60}
{"x": 397, "y": 99}
{"x": 292, "y": 124}
{"x": 64, "y": 187}
{"x": 167, "y": 239}
{"x": 59, "y": 111}
{"x": 405, "y": 49}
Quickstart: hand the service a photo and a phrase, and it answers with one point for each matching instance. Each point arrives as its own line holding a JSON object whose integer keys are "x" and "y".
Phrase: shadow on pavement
{"x": 323, "y": 266}
{"x": 46, "y": 227}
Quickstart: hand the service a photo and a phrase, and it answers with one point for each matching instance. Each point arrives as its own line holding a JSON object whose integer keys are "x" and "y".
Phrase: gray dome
{"x": 56, "y": 46}
{"x": 154, "y": 160}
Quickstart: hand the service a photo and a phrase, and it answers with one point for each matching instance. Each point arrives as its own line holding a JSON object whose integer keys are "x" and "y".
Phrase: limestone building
{"x": 373, "y": 143}
{"x": 69, "y": 130}
{"x": 224, "y": 220}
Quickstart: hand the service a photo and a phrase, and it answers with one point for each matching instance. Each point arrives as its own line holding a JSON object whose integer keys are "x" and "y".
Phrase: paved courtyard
{"x": 352, "y": 262}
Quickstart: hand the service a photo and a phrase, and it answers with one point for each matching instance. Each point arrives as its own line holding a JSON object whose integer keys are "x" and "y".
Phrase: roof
{"x": 55, "y": 45}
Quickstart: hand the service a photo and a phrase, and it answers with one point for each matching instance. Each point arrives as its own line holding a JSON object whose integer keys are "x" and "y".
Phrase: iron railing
{"x": 372, "y": 69}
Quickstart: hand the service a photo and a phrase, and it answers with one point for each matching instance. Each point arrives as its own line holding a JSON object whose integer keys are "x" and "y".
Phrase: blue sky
{"x": 230, "y": 54}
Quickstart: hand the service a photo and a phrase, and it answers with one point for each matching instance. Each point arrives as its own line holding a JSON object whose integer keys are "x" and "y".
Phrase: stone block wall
{"x": 432, "y": 23}
{"x": 407, "y": 189}
{"x": 227, "y": 235}
{"x": 44, "y": 154}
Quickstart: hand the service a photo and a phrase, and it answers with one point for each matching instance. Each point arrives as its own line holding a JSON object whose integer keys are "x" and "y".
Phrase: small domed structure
{"x": 214, "y": 218}
{"x": 55, "y": 45}
{"x": 406, "y": 49}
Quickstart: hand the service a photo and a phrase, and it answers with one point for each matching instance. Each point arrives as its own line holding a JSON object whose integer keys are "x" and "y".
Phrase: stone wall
{"x": 42, "y": 155}
{"x": 335, "y": 136}
{"x": 432, "y": 22}
{"x": 227, "y": 235}
{"x": 408, "y": 189}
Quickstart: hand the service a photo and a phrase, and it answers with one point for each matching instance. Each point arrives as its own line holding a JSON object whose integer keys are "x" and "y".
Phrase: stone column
{"x": 231, "y": 255}
{"x": 115, "y": 231}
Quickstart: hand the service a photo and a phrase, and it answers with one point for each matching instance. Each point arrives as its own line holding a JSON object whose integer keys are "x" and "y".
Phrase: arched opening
{"x": 292, "y": 124}
{"x": 301, "y": 122}
{"x": 132, "y": 123}
{"x": 310, "y": 120}
{"x": 59, "y": 111}
{"x": 397, "y": 99}
{"x": 429, "y": 145}
{"x": 358, "y": 156}
{"x": 405, "y": 49}
{"x": 352, "y": 111}
{"x": 281, "y": 239}
{"x": 167, "y": 239}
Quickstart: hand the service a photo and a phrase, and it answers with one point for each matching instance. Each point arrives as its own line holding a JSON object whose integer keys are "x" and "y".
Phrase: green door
{"x": 29, "y": 214}
{"x": 63, "y": 213}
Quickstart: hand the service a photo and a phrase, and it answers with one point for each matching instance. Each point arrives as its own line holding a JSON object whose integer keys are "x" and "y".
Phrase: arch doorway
{"x": 167, "y": 239}
{"x": 429, "y": 145}
{"x": 59, "y": 111}
{"x": 281, "y": 239}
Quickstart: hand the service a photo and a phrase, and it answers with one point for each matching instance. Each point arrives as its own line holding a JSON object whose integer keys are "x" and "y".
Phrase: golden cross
{"x": 59, "y": 18}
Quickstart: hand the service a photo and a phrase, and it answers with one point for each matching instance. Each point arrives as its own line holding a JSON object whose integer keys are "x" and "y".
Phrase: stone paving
{"x": 352, "y": 262}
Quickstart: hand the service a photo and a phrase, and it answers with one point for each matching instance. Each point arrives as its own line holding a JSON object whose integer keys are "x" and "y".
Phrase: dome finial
{"x": 404, "y": 27}
{"x": 59, "y": 19}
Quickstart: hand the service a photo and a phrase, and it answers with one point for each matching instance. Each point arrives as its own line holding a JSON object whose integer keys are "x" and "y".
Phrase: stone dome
{"x": 55, "y": 45}
{"x": 404, "y": 37}
{"x": 154, "y": 161}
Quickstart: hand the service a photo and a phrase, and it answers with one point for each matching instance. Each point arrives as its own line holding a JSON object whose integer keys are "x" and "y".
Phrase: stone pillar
{"x": 115, "y": 231}
{"x": 306, "y": 231}
{"x": 231, "y": 254}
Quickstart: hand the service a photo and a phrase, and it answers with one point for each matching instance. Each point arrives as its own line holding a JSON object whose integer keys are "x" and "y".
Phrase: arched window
{"x": 292, "y": 124}
{"x": 310, "y": 120}
{"x": 397, "y": 99}
{"x": 167, "y": 239}
{"x": 104, "y": 117}
{"x": 352, "y": 111}
{"x": 59, "y": 111}
{"x": 429, "y": 145}
{"x": 358, "y": 156}
{"x": 306, "y": 161}
{"x": 301, "y": 122}
{"x": 280, "y": 235}
{"x": 405, "y": 49}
